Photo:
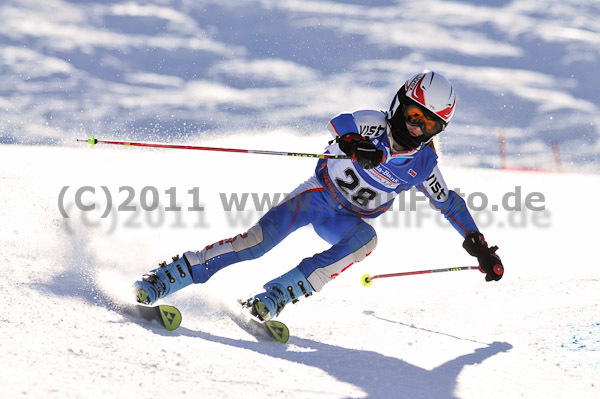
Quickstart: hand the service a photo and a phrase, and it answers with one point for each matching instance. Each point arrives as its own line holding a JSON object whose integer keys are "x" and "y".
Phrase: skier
{"x": 391, "y": 152}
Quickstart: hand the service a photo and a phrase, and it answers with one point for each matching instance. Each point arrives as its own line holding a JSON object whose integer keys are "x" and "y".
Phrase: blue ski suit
{"x": 335, "y": 200}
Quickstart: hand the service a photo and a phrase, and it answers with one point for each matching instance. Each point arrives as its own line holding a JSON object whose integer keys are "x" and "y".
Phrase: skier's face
{"x": 416, "y": 115}
{"x": 414, "y": 131}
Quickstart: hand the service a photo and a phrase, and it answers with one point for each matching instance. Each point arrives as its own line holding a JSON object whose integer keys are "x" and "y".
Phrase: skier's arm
{"x": 345, "y": 130}
{"x": 367, "y": 123}
{"x": 452, "y": 206}
{"x": 342, "y": 124}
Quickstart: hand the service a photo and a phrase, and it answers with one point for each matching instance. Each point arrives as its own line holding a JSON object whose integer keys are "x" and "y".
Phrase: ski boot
{"x": 278, "y": 293}
{"x": 164, "y": 280}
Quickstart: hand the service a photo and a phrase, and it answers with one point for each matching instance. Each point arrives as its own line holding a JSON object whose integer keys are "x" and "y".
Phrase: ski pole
{"x": 367, "y": 280}
{"x": 93, "y": 141}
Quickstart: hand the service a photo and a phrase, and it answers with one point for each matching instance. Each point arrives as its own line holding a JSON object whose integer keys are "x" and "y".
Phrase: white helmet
{"x": 433, "y": 91}
{"x": 427, "y": 99}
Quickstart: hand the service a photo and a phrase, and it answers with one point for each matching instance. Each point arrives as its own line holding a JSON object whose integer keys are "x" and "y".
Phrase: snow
{"x": 268, "y": 75}
{"x": 536, "y": 333}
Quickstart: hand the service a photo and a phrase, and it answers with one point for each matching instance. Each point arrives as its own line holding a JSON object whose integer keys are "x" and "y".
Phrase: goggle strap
{"x": 396, "y": 103}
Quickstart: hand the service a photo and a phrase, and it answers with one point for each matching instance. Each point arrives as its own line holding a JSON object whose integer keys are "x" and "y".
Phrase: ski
{"x": 276, "y": 329}
{"x": 273, "y": 328}
{"x": 168, "y": 316}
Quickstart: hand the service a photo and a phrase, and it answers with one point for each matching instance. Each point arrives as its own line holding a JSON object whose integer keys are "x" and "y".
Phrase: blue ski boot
{"x": 163, "y": 281}
{"x": 278, "y": 293}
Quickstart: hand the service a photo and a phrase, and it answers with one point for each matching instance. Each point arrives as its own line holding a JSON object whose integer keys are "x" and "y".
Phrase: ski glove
{"x": 361, "y": 149}
{"x": 489, "y": 262}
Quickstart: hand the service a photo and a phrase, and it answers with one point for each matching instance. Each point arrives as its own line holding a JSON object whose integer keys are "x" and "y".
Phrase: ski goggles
{"x": 417, "y": 115}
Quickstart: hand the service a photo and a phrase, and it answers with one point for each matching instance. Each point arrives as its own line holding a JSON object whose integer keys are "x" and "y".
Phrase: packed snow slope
{"x": 66, "y": 275}
{"x": 167, "y": 69}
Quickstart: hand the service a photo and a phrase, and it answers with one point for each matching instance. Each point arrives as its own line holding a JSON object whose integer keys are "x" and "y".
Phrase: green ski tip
{"x": 279, "y": 331}
{"x": 170, "y": 316}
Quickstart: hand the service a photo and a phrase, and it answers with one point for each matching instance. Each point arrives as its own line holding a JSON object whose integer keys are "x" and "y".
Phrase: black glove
{"x": 489, "y": 262}
{"x": 361, "y": 149}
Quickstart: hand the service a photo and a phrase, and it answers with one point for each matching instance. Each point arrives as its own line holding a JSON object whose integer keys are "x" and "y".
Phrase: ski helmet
{"x": 427, "y": 100}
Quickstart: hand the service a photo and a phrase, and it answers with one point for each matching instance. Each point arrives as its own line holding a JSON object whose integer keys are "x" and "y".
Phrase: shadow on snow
{"x": 379, "y": 376}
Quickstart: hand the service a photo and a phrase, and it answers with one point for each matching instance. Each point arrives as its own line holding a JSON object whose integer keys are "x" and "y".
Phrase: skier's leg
{"x": 199, "y": 266}
{"x": 279, "y": 222}
{"x": 352, "y": 240}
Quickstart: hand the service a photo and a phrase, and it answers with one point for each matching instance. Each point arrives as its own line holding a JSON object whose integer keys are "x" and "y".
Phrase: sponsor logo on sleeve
{"x": 371, "y": 130}
{"x": 436, "y": 189}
